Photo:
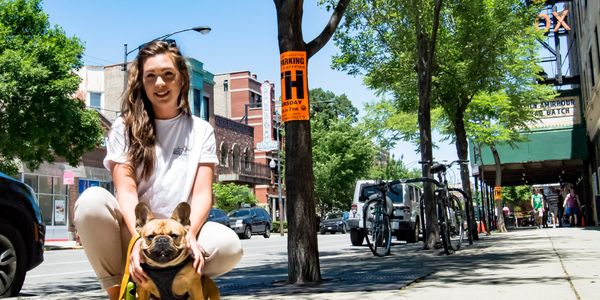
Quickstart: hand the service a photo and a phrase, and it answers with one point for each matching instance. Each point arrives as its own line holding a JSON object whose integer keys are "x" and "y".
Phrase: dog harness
{"x": 163, "y": 278}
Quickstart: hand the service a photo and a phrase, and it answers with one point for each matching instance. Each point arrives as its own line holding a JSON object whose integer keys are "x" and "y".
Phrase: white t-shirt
{"x": 182, "y": 143}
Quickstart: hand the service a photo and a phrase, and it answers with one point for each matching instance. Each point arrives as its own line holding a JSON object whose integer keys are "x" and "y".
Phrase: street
{"x": 68, "y": 271}
{"x": 561, "y": 263}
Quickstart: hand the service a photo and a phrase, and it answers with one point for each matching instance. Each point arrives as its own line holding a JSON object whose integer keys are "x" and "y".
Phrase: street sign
{"x": 498, "y": 193}
{"x": 266, "y": 146}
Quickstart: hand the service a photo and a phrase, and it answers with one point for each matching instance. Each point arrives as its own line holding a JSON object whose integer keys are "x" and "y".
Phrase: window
{"x": 236, "y": 157}
{"x": 95, "y": 100}
{"x": 52, "y": 197}
{"x": 592, "y": 73}
{"x": 200, "y": 104}
{"x": 223, "y": 157}
{"x": 255, "y": 100}
{"x": 247, "y": 159}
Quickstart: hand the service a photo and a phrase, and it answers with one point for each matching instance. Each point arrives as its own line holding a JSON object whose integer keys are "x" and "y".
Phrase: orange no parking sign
{"x": 294, "y": 86}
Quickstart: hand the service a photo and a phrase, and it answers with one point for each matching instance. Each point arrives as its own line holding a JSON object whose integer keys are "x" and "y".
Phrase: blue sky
{"x": 243, "y": 37}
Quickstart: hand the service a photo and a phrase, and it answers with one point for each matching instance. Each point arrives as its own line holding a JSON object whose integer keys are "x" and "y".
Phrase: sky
{"x": 243, "y": 37}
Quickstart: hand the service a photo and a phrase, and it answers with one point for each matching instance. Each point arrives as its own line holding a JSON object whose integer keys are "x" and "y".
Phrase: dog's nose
{"x": 162, "y": 241}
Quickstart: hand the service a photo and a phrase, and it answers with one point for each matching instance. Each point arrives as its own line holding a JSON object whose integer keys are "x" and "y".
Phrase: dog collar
{"x": 163, "y": 278}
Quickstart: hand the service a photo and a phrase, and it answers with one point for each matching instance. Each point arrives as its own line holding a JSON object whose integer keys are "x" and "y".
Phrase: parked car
{"x": 251, "y": 220}
{"x": 405, "y": 212}
{"x": 333, "y": 222}
{"x": 219, "y": 216}
{"x": 22, "y": 233}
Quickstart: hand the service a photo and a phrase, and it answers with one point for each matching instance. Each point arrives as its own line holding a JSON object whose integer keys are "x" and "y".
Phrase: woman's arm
{"x": 201, "y": 204}
{"x": 126, "y": 194}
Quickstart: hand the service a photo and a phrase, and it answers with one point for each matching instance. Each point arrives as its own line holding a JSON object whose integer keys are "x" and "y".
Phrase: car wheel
{"x": 267, "y": 233}
{"x": 413, "y": 236}
{"x": 12, "y": 261}
{"x": 247, "y": 232}
{"x": 343, "y": 231}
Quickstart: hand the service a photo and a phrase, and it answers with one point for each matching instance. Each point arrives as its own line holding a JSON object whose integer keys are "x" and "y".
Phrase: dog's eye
{"x": 151, "y": 237}
{"x": 174, "y": 236}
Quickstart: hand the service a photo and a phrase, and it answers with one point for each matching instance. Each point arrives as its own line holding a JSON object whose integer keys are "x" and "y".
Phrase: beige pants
{"x": 105, "y": 238}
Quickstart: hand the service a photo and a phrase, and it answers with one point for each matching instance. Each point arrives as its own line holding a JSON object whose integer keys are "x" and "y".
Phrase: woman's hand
{"x": 135, "y": 259}
{"x": 192, "y": 244}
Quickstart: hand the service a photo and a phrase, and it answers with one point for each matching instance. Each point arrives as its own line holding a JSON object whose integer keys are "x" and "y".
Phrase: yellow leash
{"x": 126, "y": 276}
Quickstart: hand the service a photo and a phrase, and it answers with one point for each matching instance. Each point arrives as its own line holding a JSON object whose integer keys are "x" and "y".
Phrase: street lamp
{"x": 200, "y": 29}
{"x": 273, "y": 165}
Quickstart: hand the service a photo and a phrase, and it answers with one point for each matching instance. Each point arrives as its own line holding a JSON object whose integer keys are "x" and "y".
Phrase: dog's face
{"x": 163, "y": 240}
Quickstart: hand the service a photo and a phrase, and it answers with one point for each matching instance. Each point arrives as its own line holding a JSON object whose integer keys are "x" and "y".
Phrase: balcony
{"x": 246, "y": 173}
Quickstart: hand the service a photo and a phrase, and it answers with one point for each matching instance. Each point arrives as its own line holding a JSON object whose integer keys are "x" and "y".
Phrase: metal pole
{"x": 279, "y": 180}
{"x": 125, "y": 67}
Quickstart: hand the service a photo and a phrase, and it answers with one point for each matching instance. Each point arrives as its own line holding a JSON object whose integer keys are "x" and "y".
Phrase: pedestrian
{"x": 157, "y": 153}
{"x": 546, "y": 209}
{"x": 572, "y": 206}
{"x": 552, "y": 203}
{"x": 561, "y": 207}
{"x": 537, "y": 202}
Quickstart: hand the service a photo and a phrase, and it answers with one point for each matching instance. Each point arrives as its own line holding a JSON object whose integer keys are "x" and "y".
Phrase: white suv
{"x": 405, "y": 216}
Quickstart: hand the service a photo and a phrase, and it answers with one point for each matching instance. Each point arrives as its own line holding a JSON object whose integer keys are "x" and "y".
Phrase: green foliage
{"x": 392, "y": 169}
{"x": 517, "y": 195}
{"x": 39, "y": 119}
{"x": 326, "y": 107}
{"x": 231, "y": 196}
{"x": 275, "y": 225}
{"x": 342, "y": 153}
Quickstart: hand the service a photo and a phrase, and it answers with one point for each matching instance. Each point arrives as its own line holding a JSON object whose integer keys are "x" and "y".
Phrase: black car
{"x": 22, "y": 234}
{"x": 333, "y": 223}
{"x": 251, "y": 220}
{"x": 219, "y": 216}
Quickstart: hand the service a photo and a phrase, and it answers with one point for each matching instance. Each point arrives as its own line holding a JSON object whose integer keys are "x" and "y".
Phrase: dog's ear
{"x": 181, "y": 213}
{"x": 142, "y": 215}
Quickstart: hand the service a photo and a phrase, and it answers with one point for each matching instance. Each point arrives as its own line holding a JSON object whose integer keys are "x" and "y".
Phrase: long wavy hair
{"x": 137, "y": 112}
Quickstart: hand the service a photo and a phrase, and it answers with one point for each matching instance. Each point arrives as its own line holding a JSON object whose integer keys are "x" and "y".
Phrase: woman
{"x": 157, "y": 153}
{"x": 537, "y": 202}
{"x": 572, "y": 207}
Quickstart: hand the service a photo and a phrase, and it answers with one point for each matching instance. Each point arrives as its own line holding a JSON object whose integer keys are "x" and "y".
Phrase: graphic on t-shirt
{"x": 181, "y": 150}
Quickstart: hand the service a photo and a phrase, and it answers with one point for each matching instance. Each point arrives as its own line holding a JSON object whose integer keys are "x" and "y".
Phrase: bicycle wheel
{"x": 377, "y": 228}
{"x": 455, "y": 223}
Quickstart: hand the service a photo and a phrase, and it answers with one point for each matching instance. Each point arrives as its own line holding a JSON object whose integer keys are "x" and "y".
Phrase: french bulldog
{"x": 168, "y": 261}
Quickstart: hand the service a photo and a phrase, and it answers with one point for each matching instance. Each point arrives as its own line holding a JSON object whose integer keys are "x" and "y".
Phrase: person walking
{"x": 537, "y": 202}
{"x": 160, "y": 154}
{"x": 572, "y": 206}
{"x": 552, "y": 204}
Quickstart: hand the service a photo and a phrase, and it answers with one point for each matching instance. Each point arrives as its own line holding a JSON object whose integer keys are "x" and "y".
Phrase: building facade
{"x": 240, "y": 97}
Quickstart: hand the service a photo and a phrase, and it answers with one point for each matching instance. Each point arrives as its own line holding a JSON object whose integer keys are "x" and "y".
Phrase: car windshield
{"x": 334, "y": 216}
{"x": 239, "y": 213}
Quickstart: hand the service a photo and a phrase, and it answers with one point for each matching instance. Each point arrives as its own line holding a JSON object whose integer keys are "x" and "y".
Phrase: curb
{"x": 54, "y": 247}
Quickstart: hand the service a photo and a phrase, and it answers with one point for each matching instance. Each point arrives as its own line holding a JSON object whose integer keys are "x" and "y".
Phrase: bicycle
{"x": 376, "y": 218}
{"x": 449, "y": 209}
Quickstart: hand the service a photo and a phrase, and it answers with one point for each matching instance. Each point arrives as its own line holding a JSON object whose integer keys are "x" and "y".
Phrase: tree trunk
{"x": 303, "y": 250}
{"x": 498, "y": 203}
{"x": 463, "y": 154}
{"x": 425, "y": 56}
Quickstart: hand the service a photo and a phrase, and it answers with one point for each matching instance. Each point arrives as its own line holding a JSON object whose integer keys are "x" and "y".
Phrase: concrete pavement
{"x": 561, "y": 263}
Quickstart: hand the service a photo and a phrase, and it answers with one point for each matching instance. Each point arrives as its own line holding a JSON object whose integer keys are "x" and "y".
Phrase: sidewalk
{"x": 61, "y": 245}
{"x": 561, "y": 263}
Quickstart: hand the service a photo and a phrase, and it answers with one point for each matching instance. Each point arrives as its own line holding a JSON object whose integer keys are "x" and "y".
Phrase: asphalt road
{"x": 68, "y": 271}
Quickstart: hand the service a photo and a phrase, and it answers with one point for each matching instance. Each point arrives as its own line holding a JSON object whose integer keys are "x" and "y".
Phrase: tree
{"x": 389, "y": 40}
{"x": 392, "y": 169}
{"x": 480, "y": 55}
{"x": 39, "y": 118}
{"x": 303, "y": 252}
{"x": 231, "y": 196}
